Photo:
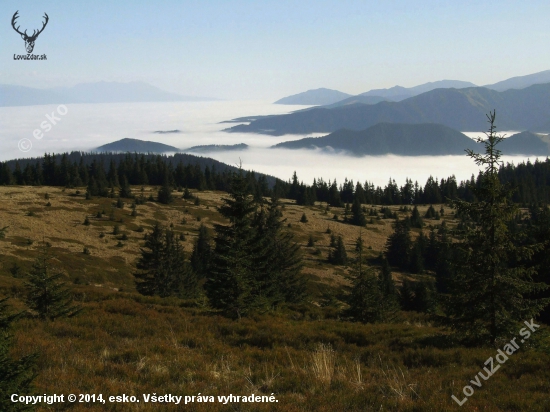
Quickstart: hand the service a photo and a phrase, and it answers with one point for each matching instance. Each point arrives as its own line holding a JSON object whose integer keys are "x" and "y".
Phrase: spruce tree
{"x": 232, "y": 285}
{"x": 398, "y": 245}
{"x": 279, "y": 261}
{"x": 162, "y": 268}
{"x": 45, "y": 294}
{"x": 491, "y": 285}
{"x": 338, "y": 256}
{"x": 125, "y": 190}
{"x": 202, "y": 252}
{"x": 16, "y": 375}
{"x": 367, "y": 303}
{"x": 358, "y": 216}
{"x": 165, "y": 194}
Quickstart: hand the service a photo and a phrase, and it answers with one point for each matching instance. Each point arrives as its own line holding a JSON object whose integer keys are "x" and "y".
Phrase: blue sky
{"x": 270, "y": 49}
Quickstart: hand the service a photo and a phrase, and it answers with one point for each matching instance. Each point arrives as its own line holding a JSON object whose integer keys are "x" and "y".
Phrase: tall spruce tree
{"x": 492, "y": 282}
{"x": 366, "y": 301}
{"x": 232, "y": 285}
{"x": 202, "y": 252}
{"x": 280, "y": 259}
{"x": 16, "y": 374}
{"x": 162, "y": 268}
{"x": 46, "y": 295}
{"x": 398, "y": 245}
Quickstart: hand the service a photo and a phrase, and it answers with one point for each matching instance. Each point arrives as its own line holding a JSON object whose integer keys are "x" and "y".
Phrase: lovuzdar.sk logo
{"x": 29, "y": 40}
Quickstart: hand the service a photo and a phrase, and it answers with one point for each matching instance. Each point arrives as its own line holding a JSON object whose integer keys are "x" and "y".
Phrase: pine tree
{"x": 202, "y": 252}
{"x": 366, "y": 301}
{"x": 232, "y": 285}
{"x": 125, "y": 190}
{"x": 45, "y": 294}
{"x": 165, "y": 194}
{"x": 280, "y": 259}
{"x": 16, "y": 375}
{"x": 338, "y": 256}
{"x": 398, "y": 245}
{"x": 358, "y": 216}
{"x": 162, "y": 268}
{"x": 490, "y": 289}
{"x": 415, "y": 220}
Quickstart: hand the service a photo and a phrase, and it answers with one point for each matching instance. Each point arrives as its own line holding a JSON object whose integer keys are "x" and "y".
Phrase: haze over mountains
{"x": 324, "y": 97}
{"x": 100, "y": 92}
{"x": 460, "y": 109}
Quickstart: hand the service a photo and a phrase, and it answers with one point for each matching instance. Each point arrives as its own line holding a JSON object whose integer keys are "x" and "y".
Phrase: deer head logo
{"x": 29, "y": 40}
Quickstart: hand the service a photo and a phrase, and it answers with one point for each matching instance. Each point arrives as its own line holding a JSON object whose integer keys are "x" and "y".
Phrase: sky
{"x": 270, "y": 49}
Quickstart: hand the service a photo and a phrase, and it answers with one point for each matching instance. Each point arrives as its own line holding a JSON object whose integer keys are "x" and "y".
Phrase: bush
{"x": 303, "y": 219}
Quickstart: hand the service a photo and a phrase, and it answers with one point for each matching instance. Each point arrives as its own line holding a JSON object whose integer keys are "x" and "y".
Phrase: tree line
{"x": 103, "y": 172}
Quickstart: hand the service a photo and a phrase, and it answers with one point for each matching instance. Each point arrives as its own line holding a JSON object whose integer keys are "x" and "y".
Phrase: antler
{"x": 34, "y": 35}
{"x": 15, "y": 16}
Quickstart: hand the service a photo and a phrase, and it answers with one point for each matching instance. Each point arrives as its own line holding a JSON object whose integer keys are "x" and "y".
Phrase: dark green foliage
{"x": 256, "y": 264}
{"x": 372, "y": 298}
{"x": 16, "y": 375}
{"x": 116, "y": 230}
{"x": 492, "y": 278}
{"x": 398, "y": 245}
{"x": 358, "y": 216}
{"x": 86, "y": 221}
{"x": 165, "y": 194}
{"x": 125, "y": 191}
{"x": 162, "y": 268}
{"x": 338, "y": 255}
{"x": 3, "y": 232}
{"x": 232, "y": 285}
{"x": 197, "y": 201}
{"x": 415, "y": 220}
{"x": 310, "y": 241}
{"x": 303, "y": 219}
{"x": 430, "y": 213}
{"x": 280, "y": 259}
{"x": 202, "y": 252}
{"x": 46, "y": 296}
{"x": 187, "y": 194}
{"x": 119, "y": 203}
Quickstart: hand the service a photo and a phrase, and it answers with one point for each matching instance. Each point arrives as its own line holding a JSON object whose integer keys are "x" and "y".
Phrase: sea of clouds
{"x": 87, "y": 126}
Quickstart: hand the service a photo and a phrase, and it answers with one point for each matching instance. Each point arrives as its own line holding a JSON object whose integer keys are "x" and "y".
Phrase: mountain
{"x": 459, "y": 109}
{"x": 524, "y": 143}
{"x": 521, "y": 82}
{"x": 216, "y": 148}
{"x": 398, "y": 93}
{"x": 101, "y": 92}
{"x": 385, "y": 138}
{"x": 135, "y": 145}
{"x": 361, "y": 99}
{"x": 315, "y": 97}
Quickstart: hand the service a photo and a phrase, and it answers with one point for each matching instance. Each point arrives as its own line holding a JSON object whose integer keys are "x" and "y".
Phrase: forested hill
{"x": 104, "y": 174}
{"x": 460, "y": 109}
{"x": 395, "y": 138}
{"x": 108, "y": 170}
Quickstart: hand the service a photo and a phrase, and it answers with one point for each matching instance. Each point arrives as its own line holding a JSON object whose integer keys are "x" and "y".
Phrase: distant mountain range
{"x": 459, "y": 109}
{"x": 101, "y": 92}
{"x": 521, "y": 82}
{"x": 143, "y": 146}
{"x": 315, "y": 97}
{"x": 398, "y": 93}
{"x": 413, "y": 140}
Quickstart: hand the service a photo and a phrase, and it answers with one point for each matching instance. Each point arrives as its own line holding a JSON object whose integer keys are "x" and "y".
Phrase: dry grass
{"x": 306, "y": 356}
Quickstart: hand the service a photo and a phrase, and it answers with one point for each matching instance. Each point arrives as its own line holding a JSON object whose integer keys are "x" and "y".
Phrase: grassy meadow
{"x": 306, "y": 355}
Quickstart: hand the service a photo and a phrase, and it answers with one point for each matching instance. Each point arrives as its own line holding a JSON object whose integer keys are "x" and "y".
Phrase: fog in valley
{"x": 87, "y": 126}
